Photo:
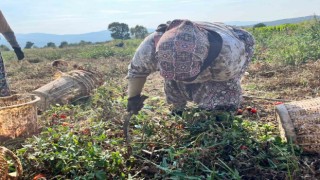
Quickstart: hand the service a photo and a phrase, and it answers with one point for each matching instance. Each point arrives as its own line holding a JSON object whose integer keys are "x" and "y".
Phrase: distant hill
{"x": 286, "y": 21}
{"x": 41, "y": 39}
{"x": 241, "y": 23}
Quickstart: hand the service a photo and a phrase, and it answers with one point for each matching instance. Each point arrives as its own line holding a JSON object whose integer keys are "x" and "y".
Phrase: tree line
{"x": 121, "y": 31}
{"x": 118, "y": 31}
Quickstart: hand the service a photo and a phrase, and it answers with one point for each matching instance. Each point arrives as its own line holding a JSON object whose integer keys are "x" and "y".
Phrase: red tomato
{"x": 277, "y": 103}
{"x": 63, "y": 116}
{"x": 253, "y": 110}
{"x": 243, "y": 147}
{"x": 239, "y": 111}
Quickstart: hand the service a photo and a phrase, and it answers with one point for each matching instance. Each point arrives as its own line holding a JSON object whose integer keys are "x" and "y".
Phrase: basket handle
{"x": 17, "y": 163}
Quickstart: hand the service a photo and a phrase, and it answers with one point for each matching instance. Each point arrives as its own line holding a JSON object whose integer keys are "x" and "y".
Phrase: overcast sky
{"x": 82, "y": 16}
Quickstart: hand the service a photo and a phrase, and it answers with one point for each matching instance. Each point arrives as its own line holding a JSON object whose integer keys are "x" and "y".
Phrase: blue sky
{"x": 82, "y": 16}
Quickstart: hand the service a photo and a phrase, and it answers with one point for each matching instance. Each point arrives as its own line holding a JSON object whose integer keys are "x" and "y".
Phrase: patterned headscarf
{"x": 181, "y": 50}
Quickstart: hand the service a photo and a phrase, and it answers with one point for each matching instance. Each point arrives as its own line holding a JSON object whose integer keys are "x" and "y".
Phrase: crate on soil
{"x": 18, "y": 116}
{"x": 299, "y": 121}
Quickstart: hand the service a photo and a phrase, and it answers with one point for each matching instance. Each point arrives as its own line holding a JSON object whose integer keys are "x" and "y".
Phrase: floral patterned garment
{"x": 4, "y": 88}
{"x": 218, "y": 87}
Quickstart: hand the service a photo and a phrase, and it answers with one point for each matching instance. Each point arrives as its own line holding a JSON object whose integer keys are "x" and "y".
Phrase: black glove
{"x": 177, "y": 112}
{"x": 19, "y": 53}
{"x": 135, "y": 103}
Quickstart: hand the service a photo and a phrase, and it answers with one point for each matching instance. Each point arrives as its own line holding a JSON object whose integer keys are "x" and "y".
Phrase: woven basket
{"x": 67, "y": 88}
{"x": 18, "y": 116}
{"x": 4, "y": 166}
{"x": 299, "y": 121}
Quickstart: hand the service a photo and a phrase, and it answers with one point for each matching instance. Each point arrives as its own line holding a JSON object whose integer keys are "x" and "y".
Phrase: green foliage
{"x": 291, "y": 44}
{"x": 119, "y": 30}
{"x": 83, "y": 43}
{"x": 68, "y": 149}
{"x": 29, "y": 45}
{"x": 50, "y": 45}
{"x": 89, "y": 51}
{"x": 97, "y": 52}
{"x": 220, "y": 146}
{"x": 8, "y": 55}
{"x": 62, "y": 151}
{"x": 63, "y": 44}
{"x": 4, "y": 48}
{"x": 139, "y": 32}
{"x": 87, "y": 142}
{"x": 110, "y": 50}
{"x": 259, "y": 25}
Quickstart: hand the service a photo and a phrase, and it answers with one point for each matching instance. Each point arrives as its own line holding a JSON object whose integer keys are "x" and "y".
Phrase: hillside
{"x": 41, "y": 39}
{"x": 287, "y": 21}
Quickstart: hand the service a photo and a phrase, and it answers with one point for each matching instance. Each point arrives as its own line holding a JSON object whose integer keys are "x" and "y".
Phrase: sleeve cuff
{"x": 135, "y": 86}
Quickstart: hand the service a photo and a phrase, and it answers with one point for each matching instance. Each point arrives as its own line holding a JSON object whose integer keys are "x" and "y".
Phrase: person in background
{"x": 8, "y": 33}
{"x": 200, "y": 61}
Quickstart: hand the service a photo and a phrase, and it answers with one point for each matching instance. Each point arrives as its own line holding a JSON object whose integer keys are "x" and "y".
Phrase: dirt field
{"x": 262, "y": 88}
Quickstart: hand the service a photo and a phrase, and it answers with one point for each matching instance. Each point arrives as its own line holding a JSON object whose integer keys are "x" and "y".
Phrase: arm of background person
{"x": 7, "y": 32}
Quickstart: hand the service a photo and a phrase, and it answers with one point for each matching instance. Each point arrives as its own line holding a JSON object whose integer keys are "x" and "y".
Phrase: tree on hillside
{"x": 51, "y": 44}
{"x": 29, "y": 45}
{"x": 63, "y": 44}
{"x": 119, "y": 30}
{"x": 4, "y": 48}
{"x": 139, "y": 32}
{"x": 82, "y": 43}
{"x": 259, "y": 25}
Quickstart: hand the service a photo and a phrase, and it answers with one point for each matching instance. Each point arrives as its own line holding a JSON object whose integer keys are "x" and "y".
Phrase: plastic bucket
{"x": 18, "y": 116}
{"x": 299, "y": 121}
